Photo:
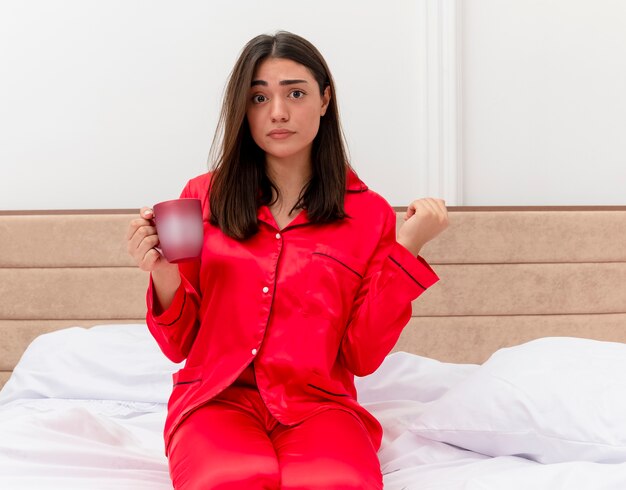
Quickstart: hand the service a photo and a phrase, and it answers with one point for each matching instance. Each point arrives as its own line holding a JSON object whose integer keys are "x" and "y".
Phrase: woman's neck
{"x": 289, "y": 176}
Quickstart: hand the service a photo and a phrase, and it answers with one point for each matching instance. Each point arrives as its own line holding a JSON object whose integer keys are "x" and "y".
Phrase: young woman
{"x": 302, "y": 284}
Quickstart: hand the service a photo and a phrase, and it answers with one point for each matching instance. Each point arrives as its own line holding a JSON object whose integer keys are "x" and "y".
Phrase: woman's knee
{"x": 251, "y": 479}
{"x": 329, "y": 475}
{"x": 219, "y": 447}
{"x": 330, "y": 450}
{"x": 254, "y": 473}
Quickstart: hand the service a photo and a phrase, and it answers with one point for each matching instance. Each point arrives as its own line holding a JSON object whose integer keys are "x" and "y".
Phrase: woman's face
{"x": 284, "y": 95}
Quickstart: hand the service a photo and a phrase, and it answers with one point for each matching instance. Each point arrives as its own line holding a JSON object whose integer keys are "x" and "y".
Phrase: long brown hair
{"x": 239, "y": 183}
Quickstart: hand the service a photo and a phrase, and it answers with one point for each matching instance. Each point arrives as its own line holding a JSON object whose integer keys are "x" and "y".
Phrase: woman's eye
{"x": 256, "y": 100}
{"x": 298, "y": 92}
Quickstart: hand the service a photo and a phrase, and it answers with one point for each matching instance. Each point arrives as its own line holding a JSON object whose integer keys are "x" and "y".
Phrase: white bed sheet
{"x": 57, "y": 433}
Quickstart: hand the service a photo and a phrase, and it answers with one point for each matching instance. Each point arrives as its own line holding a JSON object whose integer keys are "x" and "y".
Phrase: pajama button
{"x": 254, "y": 352}
{"x": 277, "y": 235}
{"x": 266, "y": 289}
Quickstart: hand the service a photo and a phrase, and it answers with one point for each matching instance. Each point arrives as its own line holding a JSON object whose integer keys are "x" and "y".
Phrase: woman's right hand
{"x": 142, "y": 238}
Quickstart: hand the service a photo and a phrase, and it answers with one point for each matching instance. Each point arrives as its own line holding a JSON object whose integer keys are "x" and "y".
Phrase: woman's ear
{"x": 325, "y": 99}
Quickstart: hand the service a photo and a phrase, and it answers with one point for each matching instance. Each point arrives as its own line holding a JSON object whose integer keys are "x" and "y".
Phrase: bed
{"x": 510, "y": 374}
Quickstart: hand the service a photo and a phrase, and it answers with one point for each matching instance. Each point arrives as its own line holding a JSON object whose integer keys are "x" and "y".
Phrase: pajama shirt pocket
{"x": 332, "y": 280}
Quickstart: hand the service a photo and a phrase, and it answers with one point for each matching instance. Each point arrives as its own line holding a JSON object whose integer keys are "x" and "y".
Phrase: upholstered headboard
{"x": 508, "y": 275}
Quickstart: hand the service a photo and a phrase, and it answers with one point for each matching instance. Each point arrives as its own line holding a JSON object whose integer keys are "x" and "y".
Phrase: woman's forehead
{"x": 273, "y": 70}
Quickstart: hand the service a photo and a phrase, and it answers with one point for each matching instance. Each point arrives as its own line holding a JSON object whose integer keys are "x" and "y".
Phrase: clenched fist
{"x": 424, "y": 220}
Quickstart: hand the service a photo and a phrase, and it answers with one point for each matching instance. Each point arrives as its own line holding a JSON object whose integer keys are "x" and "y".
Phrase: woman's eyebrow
{"x": 282, "y": 82}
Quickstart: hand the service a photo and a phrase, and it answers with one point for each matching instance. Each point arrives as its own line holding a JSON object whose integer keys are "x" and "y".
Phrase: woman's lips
{"x": 280, "y": 135}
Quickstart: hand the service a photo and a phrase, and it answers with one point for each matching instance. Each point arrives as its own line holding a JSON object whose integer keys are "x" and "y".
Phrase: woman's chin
{"x": 283, "y": 155}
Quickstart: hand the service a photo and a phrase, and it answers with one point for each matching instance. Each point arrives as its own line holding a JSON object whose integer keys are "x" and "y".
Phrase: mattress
{"x": 84, "y": 409}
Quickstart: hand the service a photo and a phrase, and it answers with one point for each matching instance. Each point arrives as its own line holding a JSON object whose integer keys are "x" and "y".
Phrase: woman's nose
{"x": 279, "y": 110}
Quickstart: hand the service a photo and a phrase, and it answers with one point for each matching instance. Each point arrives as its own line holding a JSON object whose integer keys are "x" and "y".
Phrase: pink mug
{"x": 180, "y": 229}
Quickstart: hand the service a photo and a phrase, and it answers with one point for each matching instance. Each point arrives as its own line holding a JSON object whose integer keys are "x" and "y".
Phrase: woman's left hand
{"x": 424, "y": 220}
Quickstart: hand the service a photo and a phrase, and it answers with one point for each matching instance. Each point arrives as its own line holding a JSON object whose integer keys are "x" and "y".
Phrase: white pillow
{"x": 406, "y": 376}
{"x": 551, "y": 400}
{"x": 400, "y": 389}
{"x": 104, "y": 362}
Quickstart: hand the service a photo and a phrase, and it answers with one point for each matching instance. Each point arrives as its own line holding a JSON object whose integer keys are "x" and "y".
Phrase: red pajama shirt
{"x": 310, "y": 305}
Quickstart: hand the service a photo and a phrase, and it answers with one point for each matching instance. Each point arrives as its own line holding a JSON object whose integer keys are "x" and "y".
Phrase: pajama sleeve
{"x": 176, "y": 327}
{"x": 393, "y": 279}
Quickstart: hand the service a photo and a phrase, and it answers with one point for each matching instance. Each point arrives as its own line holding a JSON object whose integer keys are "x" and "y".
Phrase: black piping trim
{"x": 340, "y": 262}
{"x": 325, "y": 391}
{"x": 180, "y": 314}
{"x": 187, "y": 382}
{"x": 407, "y": 273}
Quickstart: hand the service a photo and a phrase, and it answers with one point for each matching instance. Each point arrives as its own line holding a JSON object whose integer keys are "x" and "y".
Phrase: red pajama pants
{"x": 234, "y": 442}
